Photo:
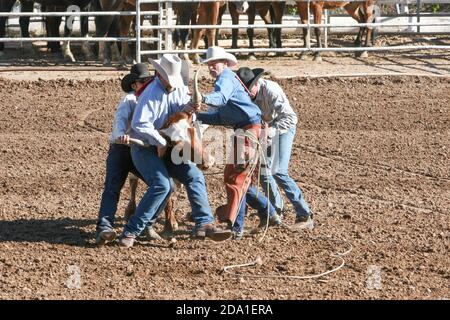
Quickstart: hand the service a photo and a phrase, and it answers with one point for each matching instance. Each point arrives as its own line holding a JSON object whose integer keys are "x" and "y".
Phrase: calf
{"x": 180, "y": 131}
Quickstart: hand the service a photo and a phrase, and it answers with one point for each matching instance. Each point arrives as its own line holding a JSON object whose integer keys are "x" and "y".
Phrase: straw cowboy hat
{"x": 219, "y": 53}
{"x": 138, "y": 71}
{"x": 250, "y": 77}
{"x": 174, "y": 70}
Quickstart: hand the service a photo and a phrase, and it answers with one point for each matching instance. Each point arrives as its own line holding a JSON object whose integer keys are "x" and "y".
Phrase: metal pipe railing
{"x": 303, "y": 49}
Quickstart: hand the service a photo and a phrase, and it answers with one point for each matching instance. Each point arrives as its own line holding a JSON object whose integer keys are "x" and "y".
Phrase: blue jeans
{"x": 194, "y": 181}
{"x": 258, "y": 202}
{"x": 157, "y": 174}
{"x": 275, "y": 173}
{"x": 118, "y": 165}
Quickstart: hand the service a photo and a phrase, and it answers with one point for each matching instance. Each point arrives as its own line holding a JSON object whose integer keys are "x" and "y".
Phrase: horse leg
{"x": 24, "y": 22}
{"x": 303, "y": 13}
{"x": 277, "y": 10}
{"x": 198, "y": 33}
{"x": 52, "y": 24}
{"x": 170, "y": 224}
{"x": 102, "y": 24}
{"x": 84, "y": 26}
{"x": 318, "y": 9}
{"x": 235, "y": 21}
{"x": 124, "y": 26}
{"x": 264, "y": 13}
{"x": 354, "y": 10}
{"x": 222, "y": 10}
{"x": 114, "y": 31}
{"x": 185, "y": 18}
{"x": 67, "y": 53}
{"x": 2, "y": 34}
{"x": 212, "y": 21}
{"x": 369, "y": 10}
{"x": 131, "y": 206}
{"x": 5, "y": 6}
{"x": 251, "y": 15}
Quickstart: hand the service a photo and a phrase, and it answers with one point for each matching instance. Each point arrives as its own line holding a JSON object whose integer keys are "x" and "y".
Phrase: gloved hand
{"x": 125, "y": 139}
{"x": 269, "y": 133}
{"x": 192, "y": 108}
{"x": 272, "y": 132}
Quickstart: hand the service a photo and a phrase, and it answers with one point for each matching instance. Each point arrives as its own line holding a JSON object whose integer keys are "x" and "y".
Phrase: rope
{"x": 258, "y": 260}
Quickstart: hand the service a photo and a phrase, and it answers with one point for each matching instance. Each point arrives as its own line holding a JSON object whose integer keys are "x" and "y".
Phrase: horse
{"x": 52, "y": 23}
{"x": 270, "y": 12}
{"x": 186, "y": 15}
{"x": 363, "y": 12}
{"x": 125, "y": 23}
{"x": 114, "y": 26}
{"x": 209, "y": 13}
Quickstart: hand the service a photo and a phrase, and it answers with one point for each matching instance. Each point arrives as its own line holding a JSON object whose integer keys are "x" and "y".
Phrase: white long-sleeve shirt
{"x": 123, "y": 116}
{"x": 154, "y": 107}
{"x": 275, "y": 106}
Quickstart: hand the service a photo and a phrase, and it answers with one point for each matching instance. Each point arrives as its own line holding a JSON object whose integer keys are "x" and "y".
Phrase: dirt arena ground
{"x": 371, "y": 156}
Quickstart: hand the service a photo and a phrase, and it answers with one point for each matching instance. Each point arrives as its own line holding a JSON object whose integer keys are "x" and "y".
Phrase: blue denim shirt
{"x": 153, "y": 109}
{"x": 233, "y": 103}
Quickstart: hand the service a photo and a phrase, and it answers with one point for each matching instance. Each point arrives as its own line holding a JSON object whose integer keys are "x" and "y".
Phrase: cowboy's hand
{"x": 272, "y": 132}
{"x": 189, "y": 108}
{"x": 193, "y": 107}
{"x": 125, "y": 139}
{"x": 162, "y": 151}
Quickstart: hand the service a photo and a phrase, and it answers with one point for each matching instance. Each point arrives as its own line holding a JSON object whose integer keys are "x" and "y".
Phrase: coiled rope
{"x": 258, "y": 260}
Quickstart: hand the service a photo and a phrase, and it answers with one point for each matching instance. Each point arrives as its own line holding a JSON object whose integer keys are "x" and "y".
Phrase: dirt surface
{"x": 371, "y": 155}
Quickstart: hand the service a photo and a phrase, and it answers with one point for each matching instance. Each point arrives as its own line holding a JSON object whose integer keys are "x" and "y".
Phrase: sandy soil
{"x": 371, "y": 155}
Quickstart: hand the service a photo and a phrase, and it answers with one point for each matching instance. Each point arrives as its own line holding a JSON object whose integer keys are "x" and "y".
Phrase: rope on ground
{"x": 258, "y": 261}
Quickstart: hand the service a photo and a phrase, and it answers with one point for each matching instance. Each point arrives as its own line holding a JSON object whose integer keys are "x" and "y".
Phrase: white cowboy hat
{"x": 171, "y": 68}
{"x": 219, "y": 53}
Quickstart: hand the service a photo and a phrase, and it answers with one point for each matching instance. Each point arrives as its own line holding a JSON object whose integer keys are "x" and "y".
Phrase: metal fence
{"x": 166, "y": 26}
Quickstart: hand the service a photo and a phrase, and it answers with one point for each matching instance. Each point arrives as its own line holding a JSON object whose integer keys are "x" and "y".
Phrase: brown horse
{"x": 270, "y": 13}
{"x": 208, "y": 14}
{"x": 125, "y": 23}
{"x": 114, "y": 26}
{"x": 363, "y": 12}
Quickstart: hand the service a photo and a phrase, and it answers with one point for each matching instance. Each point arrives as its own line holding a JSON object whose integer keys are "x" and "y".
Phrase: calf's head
{"x": 183, "y": 136}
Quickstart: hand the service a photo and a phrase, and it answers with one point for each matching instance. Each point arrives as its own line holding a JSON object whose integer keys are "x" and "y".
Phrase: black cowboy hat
{"x": 141, "y": 70}
{"x": 249, "y": 77}
{"x": 127, "y": 81}
{"x": 138, "y": 71}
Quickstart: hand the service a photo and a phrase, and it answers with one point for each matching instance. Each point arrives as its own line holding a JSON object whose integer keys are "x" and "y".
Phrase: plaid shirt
{"x": 274, "y": 105}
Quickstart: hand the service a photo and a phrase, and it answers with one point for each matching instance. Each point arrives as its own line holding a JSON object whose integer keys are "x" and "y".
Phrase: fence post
{"x": 138, "y": 31}
{"x": 327, "y": 21}
{"x": 160, "y": 19}
{"x": 308, "y": 36}
{"x": 418, "y": 14}
{"x": 169, "y": 20}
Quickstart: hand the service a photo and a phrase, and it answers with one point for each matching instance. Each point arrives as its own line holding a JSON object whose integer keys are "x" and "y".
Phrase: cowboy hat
{"x": 250, "y": 77}
{"x": 138, "y": 71}
{"x": 141, "y": 70}
{"x": 172, "y": 69}
{"x": 127, "y": 81}
{"x": 219, "y": 53}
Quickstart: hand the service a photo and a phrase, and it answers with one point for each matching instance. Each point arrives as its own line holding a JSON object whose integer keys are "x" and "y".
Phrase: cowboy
{"x": 282, "y": 121}
{"x": 165, "y": 95}
{"x": 233, "y": 107}
{"x": 118, "y": 162}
